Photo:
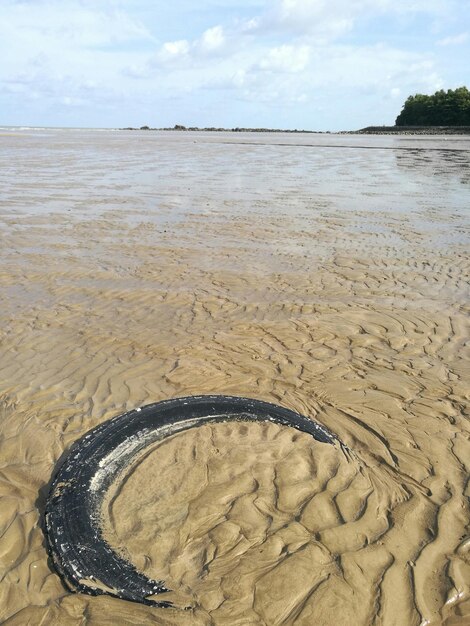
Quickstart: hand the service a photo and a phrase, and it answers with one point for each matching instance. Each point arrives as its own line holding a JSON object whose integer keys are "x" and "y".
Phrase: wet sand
{"x": 329, "y": 277}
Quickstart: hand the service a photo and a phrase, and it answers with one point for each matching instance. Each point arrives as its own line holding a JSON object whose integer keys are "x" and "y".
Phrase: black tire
{"x": 85, "y": 562}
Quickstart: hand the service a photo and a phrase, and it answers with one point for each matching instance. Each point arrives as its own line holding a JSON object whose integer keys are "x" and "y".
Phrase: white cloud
{"x": 212, "y": 39}
{"x": 44, "y": 43}
{"x": 301, "y": 76}
{"x": 70, "y": 101}
{"x": 173, "y": 52}
{"x": 279, "y": 55}
{"x": 454, "y": 40}
{"x": 377, "y": 68}
{"x": 328, "y": 20}
{"x": 318, "y": 18}
{"x": 319, "y": 15}
{"x": 184, "y": 53}
{"x": 250, "y": 25}
{"x": 176, "y": 48}
{"x": 286, "y": 58}
{"x": 69, "y": 23}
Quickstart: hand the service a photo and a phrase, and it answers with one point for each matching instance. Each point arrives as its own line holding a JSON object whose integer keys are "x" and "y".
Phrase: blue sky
{"x": 313, "y": 64}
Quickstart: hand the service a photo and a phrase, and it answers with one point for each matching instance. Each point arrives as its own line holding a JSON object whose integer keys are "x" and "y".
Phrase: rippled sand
{"x": 329, "y": 277}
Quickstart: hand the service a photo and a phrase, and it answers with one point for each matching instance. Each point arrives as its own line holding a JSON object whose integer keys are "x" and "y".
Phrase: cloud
{"x": 319, "y": 17}
{"x": 70, "y": 23}
{"x": 302, "y": 76}
{"x": 212, "y": 39}
{"x": 46, "y": 40}
{"x": 183, "y": 53}
{"x": 329, "y": 20}
{"x": 296, "y": 66}
{"x": 172, "y": 52}
{"x": 70, "y": 101}
{"x": 286, "y": 58}
{"x": 67, "y": 53}
{"x": 454, "y": 40}
{"x": 279, "y": 56}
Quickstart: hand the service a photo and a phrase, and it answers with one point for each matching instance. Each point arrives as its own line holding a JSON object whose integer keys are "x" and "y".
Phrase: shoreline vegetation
{"x": 369, "y": 130}
{"x": 181, "y": 128}
{"x": 443, "y": 108}
{"x": 412, "y": 130}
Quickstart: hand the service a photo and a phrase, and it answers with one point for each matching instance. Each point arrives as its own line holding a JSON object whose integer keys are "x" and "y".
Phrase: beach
{"x": 328, "y": 274}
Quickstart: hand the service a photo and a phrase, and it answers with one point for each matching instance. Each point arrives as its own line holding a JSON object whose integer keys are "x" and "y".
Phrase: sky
{"x": 306, "y": 64}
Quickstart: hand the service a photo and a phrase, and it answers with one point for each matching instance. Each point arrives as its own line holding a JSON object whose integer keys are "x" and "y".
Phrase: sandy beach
{"x": 328, "y": 274}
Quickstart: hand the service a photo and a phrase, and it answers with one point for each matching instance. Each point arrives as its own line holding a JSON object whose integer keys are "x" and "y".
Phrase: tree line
{"x": 444, "y": 108}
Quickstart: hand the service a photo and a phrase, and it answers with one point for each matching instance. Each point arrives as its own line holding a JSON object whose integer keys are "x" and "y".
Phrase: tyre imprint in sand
{"x": 73, "y": 509}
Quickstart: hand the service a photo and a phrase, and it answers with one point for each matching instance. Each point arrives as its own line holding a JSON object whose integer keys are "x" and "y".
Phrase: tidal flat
{"x": 325, "y": 273}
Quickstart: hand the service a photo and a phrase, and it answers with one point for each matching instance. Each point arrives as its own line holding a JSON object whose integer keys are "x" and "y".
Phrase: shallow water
{"x": 325, "y": 273}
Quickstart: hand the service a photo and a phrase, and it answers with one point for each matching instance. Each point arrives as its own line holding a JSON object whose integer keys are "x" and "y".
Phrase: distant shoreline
{"x": 213, "y": 129}
{"x": 413, "y": 130}
{"x": 369, "y": 130}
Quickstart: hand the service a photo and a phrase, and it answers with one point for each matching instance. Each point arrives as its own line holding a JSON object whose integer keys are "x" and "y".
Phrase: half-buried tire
{"x": 85, "y": 562}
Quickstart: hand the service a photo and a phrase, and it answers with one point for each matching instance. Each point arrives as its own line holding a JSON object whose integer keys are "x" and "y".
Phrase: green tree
{"x": 451, "y": 108}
